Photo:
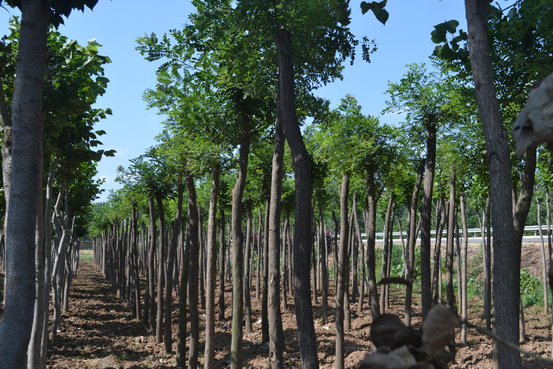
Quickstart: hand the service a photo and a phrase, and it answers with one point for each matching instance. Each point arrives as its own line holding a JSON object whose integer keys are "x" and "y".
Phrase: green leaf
{"x": 377, "y": 8}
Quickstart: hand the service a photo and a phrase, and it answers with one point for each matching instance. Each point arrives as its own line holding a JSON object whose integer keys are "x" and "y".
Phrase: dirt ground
{"x": 99, "y": 332}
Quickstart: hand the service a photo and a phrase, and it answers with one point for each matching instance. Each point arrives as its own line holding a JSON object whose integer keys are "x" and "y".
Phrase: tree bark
{"x": 236, "y": 354}
{"x": 265, "y": 290}
{"x": 161, "y": 269}
{"x": 26, "y": 176}
{"x": 276, "y": 333}
{"x": 410, "y": 249}
{"x": 506, "y": 256}
{"x": 450, "y": 293}
{"x": 340, "y": 286}
{"x": 167, "y": 331}
{"x": 426, "y": 218}
{"x": 463, "y": 257}
{"x": 544, "y": 261}
{"x": 385, "y": 250}
{"x": 521, "y": 210}
{"x": 436, "y": 271}
{"x": 209, "y": 353}
{"x": 193, "y": 270}
{"x": 323, "y": 263}
{"x": 247, "y": 256}
{"x": 191, "y": 225}
{"x": 303, "y": 237}
{"x": 371, "y": 256}
{"x": 221, "y": 264}
{"x": 151, "y": 260}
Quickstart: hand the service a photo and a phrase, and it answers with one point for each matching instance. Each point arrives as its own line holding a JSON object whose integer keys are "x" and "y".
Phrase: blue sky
{"x": 132, "y": 128}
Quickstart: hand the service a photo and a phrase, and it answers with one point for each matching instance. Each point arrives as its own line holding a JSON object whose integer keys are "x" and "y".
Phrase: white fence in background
{"x": 531, "y": 234}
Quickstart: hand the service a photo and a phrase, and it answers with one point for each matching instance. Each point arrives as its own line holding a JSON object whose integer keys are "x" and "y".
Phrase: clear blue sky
{"x": 117, "y": 24}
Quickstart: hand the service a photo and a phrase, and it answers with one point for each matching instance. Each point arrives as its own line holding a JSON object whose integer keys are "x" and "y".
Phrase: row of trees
{"x": 225, "y": 78}
{"x": 222, "y": 84}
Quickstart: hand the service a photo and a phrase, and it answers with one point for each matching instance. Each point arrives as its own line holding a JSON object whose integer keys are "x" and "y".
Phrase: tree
{"x": 26, "y": 178}
{"x": 425, "y": 97}
{"x": 506, "y": 261}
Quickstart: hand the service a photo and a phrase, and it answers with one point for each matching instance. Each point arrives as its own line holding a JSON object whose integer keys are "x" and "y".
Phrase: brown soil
{"x": 99, "y": 332}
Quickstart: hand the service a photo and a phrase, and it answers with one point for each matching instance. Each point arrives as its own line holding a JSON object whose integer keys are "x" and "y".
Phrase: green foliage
{"x": 59, "y": 8}
{"x": 531, "y": 288}
{"x": 377, "y": 7}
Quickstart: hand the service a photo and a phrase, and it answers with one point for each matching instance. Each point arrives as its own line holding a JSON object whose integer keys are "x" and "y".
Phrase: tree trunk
{"x": 360, "y": 242}
{"x": 193, "y": 270}
{"x": 544, "y": 262}
{"x": 276, "y": 333}
{"x": 209, "y": 354}
{"x": 410, "y": 249}
{"x": 265, "y": 290}
{"x": 167, "y": 331}
{"x": 506, "y": 255}
{"x": 236, "y": 353}
{"x": 385, "y": 250}
{"x": 303, "y": 237}
{"x": 371, "y": 257}
{"x": 26, "y": 177}
{"x": 426, "y": 218}
{"x": 463, "y": 256}
{"x": 450, "y": 293}
{"x": 340, "y": 286}
{"x": 258, "y": 252}
{"x": 151, "y": 260}
{"x": 191, "y": 228}
{"x": 221, "y": 264}
{"x": 436, "y": 271}
{"x": 323, "y": 264}
{"x": 247, "y": 256}
{"x": 161, "y": 269}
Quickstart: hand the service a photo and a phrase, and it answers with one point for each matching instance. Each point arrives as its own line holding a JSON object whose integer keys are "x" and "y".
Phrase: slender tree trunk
{"x": 151, "y": 261}
{"x": 522, "y": 207}
{"x": 548, "y": 219}
{"x": 450, "y": 293}
{"x": 544, "y": 261}
{"x": 26, "y": 175}
{"x": 258, "y": 252}
{"x": 183, "y": 291}
{"x": 161, "y": 270}
{"x": 285, "y": 262}
{"x": 410, "y": 249}
{"x": 247, "y": 302}
{"x": 209, "y": 354}
{"x": 193, "y": 270}
{"x": 488, "y": 267}
{"x": 303, "y": 237}
{"x": 436, "y": 271}
{"x": 463, "y": 256}
{"x": 426, "y": 218}
{"x": 221, "y": 264}
{"x": 340, "y": 286}
{"x": 276, "y": 333}
{"x": 167, "y": 331}
{"x": 360, "y": 242}
{"x": 371, "y": 256}
{"x": 323, "y": 263}
{"x": 506, "y": 254}
{"x": 265, "y": 290}
{"x": 236, "y": 354}
{"x": 385, "y": 250}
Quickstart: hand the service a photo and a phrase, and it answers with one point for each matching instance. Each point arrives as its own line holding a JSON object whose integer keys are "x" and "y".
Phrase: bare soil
{"x": 99, "y": 332}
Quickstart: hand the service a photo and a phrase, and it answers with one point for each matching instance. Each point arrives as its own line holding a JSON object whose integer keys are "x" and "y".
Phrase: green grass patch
{"x": 86, "y": 254}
